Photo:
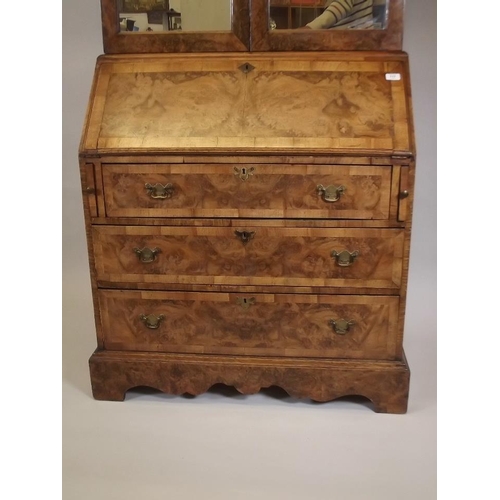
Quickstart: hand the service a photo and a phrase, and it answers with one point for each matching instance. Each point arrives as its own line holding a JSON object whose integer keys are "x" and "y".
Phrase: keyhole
{"x": 244, "y": 173}
{"x": 246, "y": 303}
{"x": 246, "y": 68}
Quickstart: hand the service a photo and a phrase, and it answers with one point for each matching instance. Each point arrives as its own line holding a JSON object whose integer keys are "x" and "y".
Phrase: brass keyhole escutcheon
{"x": 245, "y": 236}
{"x": 246, "y": 68}
{"x": 331, "y": 194}
{"x": 341, "y": 326}
{"x": 159, "y": 191}
{"x": 344, "y": 258}
{"x": 244, "y": 172}
{"x": 245, "y": 303}
{"x": 152, "y": 321}
{"x": 147, "y": 255}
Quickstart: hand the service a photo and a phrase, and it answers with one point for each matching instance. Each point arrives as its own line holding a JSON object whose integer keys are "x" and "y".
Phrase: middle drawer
{"x": 363, "y": 258}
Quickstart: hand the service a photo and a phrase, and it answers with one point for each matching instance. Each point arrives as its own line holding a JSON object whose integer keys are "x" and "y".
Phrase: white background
{"x": 219, "y": 446}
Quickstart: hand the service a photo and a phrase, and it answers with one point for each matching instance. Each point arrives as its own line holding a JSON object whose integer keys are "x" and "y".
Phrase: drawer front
{"x": 258, "y": 324}
{"x": 370, "y": 258}
{"x": 301, "y": 191}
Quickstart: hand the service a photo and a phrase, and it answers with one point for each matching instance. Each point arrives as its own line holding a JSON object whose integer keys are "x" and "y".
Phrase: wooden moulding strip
{"x": 329, "y": 158}
{"x": 349, "y": 56}
{"x": 293, "y": 145}
{"x": 225, "y": 222}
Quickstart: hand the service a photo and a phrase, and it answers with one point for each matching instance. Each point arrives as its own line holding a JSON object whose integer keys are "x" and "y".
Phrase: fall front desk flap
{"x": 336, "y": 102}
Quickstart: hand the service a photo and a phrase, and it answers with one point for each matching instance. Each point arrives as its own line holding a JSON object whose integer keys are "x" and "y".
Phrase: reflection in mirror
{"x": 174, "y": 15}
{"x": 328, "y": 14}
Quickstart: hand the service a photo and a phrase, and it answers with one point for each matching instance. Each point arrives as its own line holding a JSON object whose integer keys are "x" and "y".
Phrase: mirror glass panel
{"x": 328, "y": 14}
{"x": 139, "y": 16}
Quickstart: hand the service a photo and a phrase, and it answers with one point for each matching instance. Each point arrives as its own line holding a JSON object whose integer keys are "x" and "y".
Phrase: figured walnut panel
{"x": 211, "y": 190}
{"x": 174, "y": 104}
{"x": 273, "y": 256}
{"x": 279, "y": 325}
{"x": 385, "y": 383}
{"x": 287, "y": 102}
{"x": 319, "y": 104}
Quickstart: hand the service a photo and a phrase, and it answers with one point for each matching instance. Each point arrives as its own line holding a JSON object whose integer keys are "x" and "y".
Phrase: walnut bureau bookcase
{"x": 248, "y": 209}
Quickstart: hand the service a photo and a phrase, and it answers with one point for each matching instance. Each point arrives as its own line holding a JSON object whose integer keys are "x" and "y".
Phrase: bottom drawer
{"x": 340, "y": 326}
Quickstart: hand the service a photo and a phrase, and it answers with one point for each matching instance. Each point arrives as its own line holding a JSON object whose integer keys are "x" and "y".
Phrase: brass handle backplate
{"x": 344, "y": 258}
{"x": 151, "y": 320}
{"x": 331, "y": 194}
{"x": 146, "y": 254}
{"x": 159, "y": 191}
{"x": 341, "y": 326}
{"x": 244, "y": 172}
{"x": 244, "y": 236}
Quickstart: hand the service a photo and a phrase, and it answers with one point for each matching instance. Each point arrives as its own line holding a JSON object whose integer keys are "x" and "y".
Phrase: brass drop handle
{"x": 344, "y": 258}
{"x": 159, "y": 191}
{"x": 341, "y": 326}
{"x": 331, "y": 193}
{"x": 151, "y": 320}
{"x": 245, "y": 236}
{"x": 146, "y": 254}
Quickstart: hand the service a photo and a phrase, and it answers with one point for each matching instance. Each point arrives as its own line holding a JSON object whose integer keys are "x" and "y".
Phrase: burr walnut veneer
{"x": 248, "y": 223}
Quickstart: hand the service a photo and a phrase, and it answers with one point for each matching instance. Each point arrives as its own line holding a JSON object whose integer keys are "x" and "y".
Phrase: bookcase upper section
{"x": 167, "y": 26}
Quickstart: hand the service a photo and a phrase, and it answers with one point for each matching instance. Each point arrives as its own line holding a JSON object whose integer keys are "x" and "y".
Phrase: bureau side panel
{"x": 406, "y": 254}
{"x": 89, "y": 202}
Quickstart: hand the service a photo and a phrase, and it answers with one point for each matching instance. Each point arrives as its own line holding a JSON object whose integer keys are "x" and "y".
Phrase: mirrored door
{"x": 327, "y": 25}
{"x": 328, "y": 14}
{"x": 144, "y": 26}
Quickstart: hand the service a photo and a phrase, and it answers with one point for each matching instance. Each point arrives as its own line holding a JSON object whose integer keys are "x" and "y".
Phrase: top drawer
{"x": 247, "y": 190}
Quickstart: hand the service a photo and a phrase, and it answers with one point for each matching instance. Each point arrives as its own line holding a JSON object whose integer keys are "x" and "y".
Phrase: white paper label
{"x": 393, "y": 76}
